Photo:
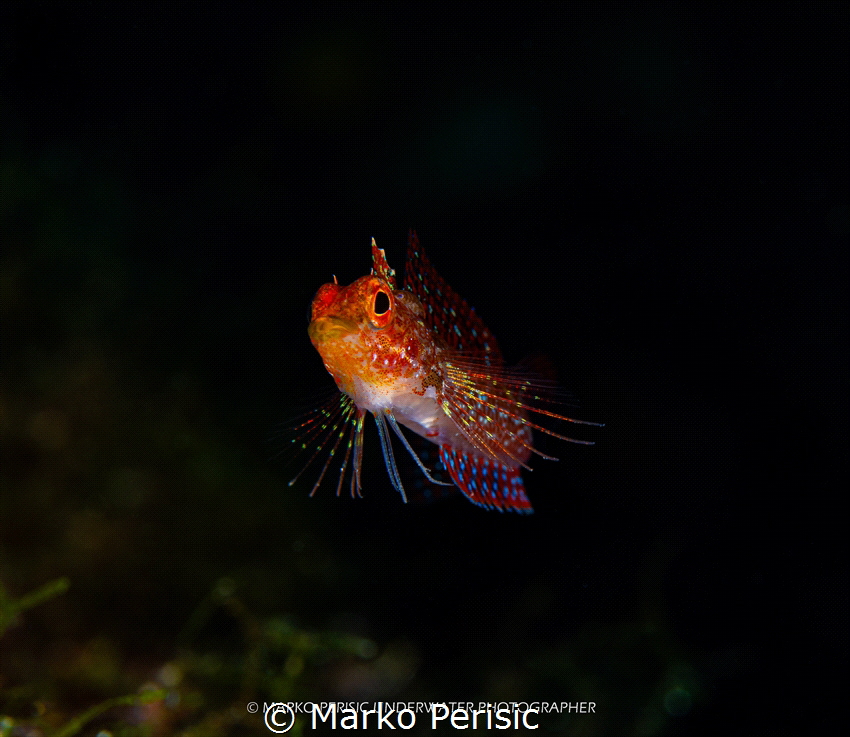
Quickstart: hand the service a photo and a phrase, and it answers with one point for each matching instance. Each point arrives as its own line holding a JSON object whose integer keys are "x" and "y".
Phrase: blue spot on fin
{"x": 486, "y": 482}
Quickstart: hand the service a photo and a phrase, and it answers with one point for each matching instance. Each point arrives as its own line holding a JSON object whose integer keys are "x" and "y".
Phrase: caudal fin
{"x": 485, "y": 481}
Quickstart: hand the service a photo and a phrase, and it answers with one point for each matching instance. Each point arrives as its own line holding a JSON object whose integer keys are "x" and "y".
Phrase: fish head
{"x": 350, "y": 325}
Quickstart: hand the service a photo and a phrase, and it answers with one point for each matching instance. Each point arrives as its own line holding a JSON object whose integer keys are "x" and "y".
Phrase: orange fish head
{"x": 349, "y": 324}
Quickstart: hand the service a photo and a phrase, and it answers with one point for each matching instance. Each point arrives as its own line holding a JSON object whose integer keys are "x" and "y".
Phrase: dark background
{"x": 654, "y": 195}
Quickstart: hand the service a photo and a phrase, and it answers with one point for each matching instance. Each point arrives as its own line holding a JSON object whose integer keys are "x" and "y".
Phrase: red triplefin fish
{"x": 421, "y": 357}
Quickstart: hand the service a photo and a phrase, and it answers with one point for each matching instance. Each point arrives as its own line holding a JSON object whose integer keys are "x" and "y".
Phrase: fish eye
{"x": 382, "y": 303}
{"x": 381, "y": 307}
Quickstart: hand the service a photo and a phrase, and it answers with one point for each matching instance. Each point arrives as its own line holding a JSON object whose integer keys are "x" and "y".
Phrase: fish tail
{"x": 485, "y": 481}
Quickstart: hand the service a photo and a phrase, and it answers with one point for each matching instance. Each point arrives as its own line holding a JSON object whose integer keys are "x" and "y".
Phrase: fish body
{"x": 420, "y": 357}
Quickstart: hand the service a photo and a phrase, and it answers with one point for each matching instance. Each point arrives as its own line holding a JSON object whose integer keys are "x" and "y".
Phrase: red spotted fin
{"x": 486, "y": 482}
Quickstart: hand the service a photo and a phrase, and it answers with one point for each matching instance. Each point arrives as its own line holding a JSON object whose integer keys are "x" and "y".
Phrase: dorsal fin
{"x": 380, "y": 267}
{"x": 446, "y": 312}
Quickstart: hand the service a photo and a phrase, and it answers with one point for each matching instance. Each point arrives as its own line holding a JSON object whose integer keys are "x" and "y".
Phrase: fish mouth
{"x": 324, "y": 329}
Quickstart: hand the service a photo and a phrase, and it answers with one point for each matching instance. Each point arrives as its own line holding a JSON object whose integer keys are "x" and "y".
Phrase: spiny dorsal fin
{"x": 380, "y": 267}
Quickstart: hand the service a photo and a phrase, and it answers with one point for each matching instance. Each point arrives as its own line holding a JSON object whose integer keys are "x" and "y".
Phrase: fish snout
{"x": 325, "y": 329}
